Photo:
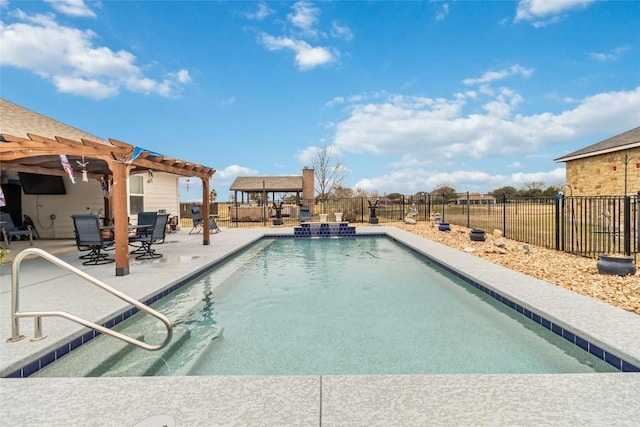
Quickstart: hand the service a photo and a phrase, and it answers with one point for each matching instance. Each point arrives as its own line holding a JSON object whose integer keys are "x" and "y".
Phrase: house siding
{"x": 161, "y": 194}
{"x": 86, "y": 197}
{"x": 81, "y": 198}
{"x": 603, "y": 175}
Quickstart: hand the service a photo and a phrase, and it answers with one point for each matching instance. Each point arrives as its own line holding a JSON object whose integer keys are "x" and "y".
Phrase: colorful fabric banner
{"x": 67, "y": 167}
{"x": 105, "y": 188}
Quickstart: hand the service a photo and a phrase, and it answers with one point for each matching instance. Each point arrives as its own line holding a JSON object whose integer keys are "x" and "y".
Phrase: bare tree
{"x": 329, "y": 171}
{"x": 534, "y": 185}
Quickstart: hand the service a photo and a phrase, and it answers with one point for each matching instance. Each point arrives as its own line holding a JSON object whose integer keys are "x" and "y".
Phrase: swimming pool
{"x": 344, "y": 306}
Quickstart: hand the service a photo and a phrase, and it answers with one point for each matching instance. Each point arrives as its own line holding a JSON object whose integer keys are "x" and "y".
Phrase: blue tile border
{"x": 570, "y": 336}
{"x": 584, "y": 344}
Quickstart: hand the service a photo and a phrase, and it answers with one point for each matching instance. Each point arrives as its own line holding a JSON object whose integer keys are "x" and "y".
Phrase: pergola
{"x": 114, "y": 161}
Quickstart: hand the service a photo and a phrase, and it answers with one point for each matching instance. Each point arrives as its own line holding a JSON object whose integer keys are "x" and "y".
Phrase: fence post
{"x": 468, "y": 210}
{"x": 557, "y": 216}
{"x": 428, "y": 206}
{"x": 504, "y": 214}
{"x": 627, "y": 225}
{"x": 443, "y": 202}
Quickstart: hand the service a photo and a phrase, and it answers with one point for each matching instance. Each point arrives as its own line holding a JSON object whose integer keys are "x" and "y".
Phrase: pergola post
{"x": 120, "y": 215}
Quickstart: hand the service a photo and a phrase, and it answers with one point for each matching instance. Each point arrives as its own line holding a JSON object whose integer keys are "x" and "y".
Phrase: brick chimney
{"x": 308, "y": 183}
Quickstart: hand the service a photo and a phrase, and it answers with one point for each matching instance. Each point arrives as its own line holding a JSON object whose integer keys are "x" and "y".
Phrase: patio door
{"x": 13, "y": 199}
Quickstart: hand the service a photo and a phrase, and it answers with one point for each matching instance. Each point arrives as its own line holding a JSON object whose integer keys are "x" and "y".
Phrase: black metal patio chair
{"x": 196, "y": 216}
{"x": 146, "y": 242}
{"x": 9, "y": 229}
{"x": 89, "y": 237}
{"x": 144, "y": 228}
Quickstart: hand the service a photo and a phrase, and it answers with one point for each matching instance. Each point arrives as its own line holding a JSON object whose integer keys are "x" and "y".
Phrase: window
{"x": 136, "y": 194}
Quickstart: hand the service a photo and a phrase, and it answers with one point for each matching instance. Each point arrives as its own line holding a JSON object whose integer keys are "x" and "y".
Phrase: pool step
{"x": 139, "y": 362}
{"x": 207, "y": 340}
{"x": 98, "y": 353}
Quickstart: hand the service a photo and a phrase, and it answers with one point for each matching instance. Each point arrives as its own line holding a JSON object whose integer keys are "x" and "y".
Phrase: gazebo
{"x": 267, "y": 187}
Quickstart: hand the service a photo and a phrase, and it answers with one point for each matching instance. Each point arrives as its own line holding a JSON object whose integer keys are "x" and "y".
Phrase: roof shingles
{"x": 623, "y": 141}
{"x": 267, "y": 183}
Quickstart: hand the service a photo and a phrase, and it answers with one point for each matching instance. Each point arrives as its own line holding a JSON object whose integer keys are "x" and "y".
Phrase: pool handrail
{"x": 37, "y": 315}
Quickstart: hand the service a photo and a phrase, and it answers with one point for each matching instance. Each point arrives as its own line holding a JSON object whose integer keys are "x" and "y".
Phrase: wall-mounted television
{"x": 34, "y": 183}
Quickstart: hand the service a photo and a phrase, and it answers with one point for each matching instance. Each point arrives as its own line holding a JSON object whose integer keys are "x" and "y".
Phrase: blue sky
{"x": 409, "y": 95}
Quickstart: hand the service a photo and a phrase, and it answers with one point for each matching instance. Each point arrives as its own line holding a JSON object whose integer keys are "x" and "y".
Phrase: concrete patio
{"x": 388, "y": 400}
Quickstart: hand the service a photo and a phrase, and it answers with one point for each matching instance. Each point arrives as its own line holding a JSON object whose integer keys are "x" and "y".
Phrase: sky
{"x": 407, "y": 95}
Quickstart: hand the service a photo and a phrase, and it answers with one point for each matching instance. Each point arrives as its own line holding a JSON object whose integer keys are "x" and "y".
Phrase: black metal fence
{"x": 586, "y": 226}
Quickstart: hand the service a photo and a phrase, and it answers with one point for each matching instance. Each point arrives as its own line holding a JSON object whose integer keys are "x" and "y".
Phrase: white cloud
{"x": 306, "y": 56}
{"x": 261, "y": 13}
{"x": 76, "y": 8}
{"x": 231, "y": 172}
{"x": 228, "y": 101}
{"x": 425, "y": 136}
{"x": 544, "y": 12}
{"x": 302, "y": 26}
{"x": 80, "y": 86}
{"x": 491, "y": 76}
{"x": 442, "y": 11}
{"x": 341, "y": 31}
{"x": 411, "y": 181}
{"x": 68, "y": 57}
{"x": 305, "y": 17}
{"x": 608, "y": 57}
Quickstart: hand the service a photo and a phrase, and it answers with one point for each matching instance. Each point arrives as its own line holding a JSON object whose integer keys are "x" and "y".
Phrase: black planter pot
{"x": 444, "y": 226}
{"x": 478, "y": 235}
{"x": 615, "y": 265}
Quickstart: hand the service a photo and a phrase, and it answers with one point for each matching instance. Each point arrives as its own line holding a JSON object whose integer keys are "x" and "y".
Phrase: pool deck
{"x": 328, "y": 400}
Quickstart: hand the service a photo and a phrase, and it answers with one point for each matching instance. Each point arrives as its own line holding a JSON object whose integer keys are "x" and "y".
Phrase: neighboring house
{"x": 607, "y": 168}
{"x": 122, "y": 179}
{"x": 475, "y": 199}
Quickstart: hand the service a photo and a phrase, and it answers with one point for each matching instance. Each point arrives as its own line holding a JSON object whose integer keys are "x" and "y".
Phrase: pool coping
{"x": 569, "y": 314}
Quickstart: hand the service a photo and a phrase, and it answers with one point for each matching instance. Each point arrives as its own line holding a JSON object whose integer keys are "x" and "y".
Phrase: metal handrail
{"x": 37, "y": 315}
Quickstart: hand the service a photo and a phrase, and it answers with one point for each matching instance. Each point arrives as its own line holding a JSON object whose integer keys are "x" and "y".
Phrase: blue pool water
{"x": 348, "y": 306}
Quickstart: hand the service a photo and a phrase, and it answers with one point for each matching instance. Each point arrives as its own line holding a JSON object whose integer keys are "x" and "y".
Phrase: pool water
{"x": 363, "y": 306}
{"x": 349, "y": 306}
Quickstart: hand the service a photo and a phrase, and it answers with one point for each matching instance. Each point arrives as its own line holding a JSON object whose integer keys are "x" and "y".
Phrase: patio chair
{"x": 9, "y": 229}
{"x": 213, "y": 226}
{"x": 146, "y": 242}
{"x": 305, "y": 214}
{"x": 146, "y": 220}
{"x": 196, "y": 216}
{"x": 89, "y": 237}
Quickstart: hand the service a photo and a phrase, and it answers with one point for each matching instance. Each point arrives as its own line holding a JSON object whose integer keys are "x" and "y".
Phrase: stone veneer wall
{"x": 603, "y": 175}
